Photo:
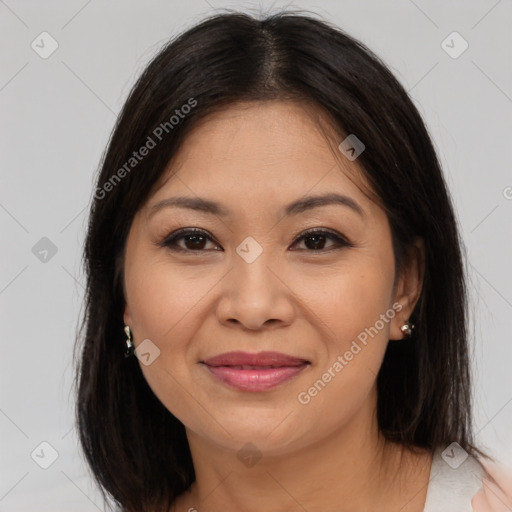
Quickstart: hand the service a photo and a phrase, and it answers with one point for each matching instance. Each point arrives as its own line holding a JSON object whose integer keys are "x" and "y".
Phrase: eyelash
{"x": 169, "y": 241}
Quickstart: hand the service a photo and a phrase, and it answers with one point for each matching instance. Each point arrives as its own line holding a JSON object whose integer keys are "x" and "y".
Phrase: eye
{"x": 315, "y": 240}
{"x": 194, "y": 240}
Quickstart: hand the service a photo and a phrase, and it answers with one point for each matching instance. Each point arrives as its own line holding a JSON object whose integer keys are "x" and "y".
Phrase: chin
{"x": 270, "y": 436}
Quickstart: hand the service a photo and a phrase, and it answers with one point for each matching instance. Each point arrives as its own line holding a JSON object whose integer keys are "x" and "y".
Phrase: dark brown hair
{"x": 137, "y": 450}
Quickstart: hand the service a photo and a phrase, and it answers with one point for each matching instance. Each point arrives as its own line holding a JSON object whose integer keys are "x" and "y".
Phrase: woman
{"x": 273, "y": 244}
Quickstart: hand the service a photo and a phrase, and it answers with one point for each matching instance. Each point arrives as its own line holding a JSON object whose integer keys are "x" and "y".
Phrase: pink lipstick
{"x": 254, "y": 372}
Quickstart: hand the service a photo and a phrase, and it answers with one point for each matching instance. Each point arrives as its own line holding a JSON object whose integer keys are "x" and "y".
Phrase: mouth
{"x": 254, "y": 372}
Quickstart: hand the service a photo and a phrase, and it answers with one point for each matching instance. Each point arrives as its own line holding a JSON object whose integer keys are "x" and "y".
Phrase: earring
{"x": 407, "y": 329}
{"x": 129, "y": 345}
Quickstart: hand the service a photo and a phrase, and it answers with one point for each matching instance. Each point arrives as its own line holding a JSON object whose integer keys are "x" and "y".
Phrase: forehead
{"x": 262, "y": 152}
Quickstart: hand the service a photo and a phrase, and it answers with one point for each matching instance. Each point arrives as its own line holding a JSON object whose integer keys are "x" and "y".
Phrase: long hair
{"x": 137, "y": 450}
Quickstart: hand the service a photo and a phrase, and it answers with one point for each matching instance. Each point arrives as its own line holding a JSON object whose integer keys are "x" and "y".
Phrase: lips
{"x": 254, "y": 372}
{"x": 262, "y": 359}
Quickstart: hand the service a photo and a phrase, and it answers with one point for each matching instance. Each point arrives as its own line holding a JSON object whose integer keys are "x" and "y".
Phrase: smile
{"x": 254, "y": 372}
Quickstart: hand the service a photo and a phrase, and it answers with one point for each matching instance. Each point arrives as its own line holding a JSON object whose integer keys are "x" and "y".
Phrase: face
{"x": 312, "y": 283}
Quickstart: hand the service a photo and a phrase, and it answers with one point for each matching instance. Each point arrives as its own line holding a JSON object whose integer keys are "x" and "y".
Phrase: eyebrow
{"x": 295, "y": 208}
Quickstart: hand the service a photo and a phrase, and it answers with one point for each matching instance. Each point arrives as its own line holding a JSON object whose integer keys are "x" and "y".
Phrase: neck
{"x": 354, "y": 469}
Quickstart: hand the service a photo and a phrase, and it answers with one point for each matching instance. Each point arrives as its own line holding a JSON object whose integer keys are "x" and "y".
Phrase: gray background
{"x": 57, "y": 114}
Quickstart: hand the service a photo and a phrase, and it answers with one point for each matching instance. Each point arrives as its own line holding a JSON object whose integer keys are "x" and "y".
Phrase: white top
{"x": 452, "y": 486}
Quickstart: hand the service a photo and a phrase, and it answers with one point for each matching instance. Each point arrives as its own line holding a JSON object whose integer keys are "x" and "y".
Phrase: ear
{"x": 127, "y": 317}
{"x": 408, "y": 287}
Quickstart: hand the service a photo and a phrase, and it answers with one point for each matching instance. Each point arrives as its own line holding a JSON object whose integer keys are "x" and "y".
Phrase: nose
{"x": 255, "y": 297}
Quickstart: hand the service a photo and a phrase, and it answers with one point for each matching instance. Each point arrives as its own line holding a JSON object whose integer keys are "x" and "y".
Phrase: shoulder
{"x": 496, "y": 492}
{"x": 459, "y": 484}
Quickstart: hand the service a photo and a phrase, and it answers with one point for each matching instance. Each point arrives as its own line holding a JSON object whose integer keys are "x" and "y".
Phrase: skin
{"x": 327, "y": 455}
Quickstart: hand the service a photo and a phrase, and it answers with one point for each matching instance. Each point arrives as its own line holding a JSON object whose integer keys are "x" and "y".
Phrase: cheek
{"x": 362, "y": 299}
{"x": 164, "y": 298}
{"x": 351, "y": 306}
{"x": 347, "y": 301}
{"x": 167, "y": 307}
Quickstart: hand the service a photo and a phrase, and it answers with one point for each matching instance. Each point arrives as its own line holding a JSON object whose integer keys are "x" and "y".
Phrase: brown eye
{"x": 191, "y": 240}
{"x": 196, "y": 240}
{"x": 316, "y": 240}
